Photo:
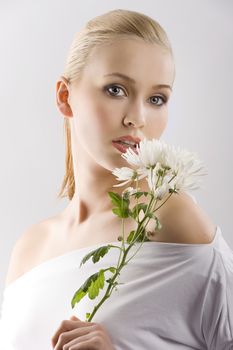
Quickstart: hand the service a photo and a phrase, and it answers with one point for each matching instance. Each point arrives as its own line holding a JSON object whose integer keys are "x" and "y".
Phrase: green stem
{"x": 125, "y": 251}
{"x": 110, "y": 287}
{"x": 162, "y": 203}
{"x": 139, "y": 227}
{"x": 151, "y": 204}
{"x": 123, "y": 244}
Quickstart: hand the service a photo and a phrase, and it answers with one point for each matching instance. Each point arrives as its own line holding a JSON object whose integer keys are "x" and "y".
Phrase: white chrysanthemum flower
{"x": 130, "y": 191}
{"x": 148, "y": 153}
{"x": 152, "y": 176}
{"x": 188, "y": 176}
{"x": 182, "y": 163}
{"x": 181, "y": 169}
{"x": 159, "y": 186}
{"x": 123, "y": 174}
{"x": 162, "y": 191}
{"x": 187, "y": 167}
{"x": 127, "y": 175}
{"x": 131, "y": 157}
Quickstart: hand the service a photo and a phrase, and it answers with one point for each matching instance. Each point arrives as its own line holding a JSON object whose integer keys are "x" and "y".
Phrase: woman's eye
{"x": 114, "y": 90}
{"x": 156, "y": 99}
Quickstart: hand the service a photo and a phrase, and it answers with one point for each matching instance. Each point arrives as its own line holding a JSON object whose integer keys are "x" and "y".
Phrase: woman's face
{"x": 106, "y": 105}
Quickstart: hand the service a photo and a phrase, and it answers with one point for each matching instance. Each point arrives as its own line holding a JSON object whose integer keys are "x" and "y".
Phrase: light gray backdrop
{"x": 34, "y": 40}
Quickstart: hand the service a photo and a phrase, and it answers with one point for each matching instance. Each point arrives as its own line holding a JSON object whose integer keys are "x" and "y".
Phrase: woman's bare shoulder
{"x": 185, "y": 221}
{"x": 27, "y": 248}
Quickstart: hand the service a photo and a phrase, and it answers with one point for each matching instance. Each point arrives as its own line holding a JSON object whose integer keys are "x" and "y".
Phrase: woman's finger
{"x": 66, "y": 341}
{"x": 74, "y": 318}
{"x": 68, "y": 325}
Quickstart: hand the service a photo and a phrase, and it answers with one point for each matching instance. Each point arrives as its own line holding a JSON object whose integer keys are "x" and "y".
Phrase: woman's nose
{"x": 135, "y": 116}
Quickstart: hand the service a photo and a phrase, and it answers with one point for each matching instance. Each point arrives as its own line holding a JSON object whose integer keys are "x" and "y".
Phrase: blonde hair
{"x": 101, "y": 30}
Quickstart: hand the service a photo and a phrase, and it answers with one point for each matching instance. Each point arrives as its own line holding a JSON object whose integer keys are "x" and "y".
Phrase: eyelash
{"x": 163, "y": 98}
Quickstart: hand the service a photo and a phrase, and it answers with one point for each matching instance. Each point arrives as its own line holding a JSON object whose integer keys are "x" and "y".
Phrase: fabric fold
{"x": 175, "y": 285}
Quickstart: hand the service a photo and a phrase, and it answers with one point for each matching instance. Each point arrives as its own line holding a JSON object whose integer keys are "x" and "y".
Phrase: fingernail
{"x": 74, "y": 317}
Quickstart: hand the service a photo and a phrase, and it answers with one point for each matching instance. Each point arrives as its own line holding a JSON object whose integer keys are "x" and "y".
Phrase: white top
{"x": 174, "y": 296}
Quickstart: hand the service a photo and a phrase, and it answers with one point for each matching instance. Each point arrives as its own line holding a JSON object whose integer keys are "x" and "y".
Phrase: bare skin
{"x": 81, "y": 335}
{"x": 98, "y": 118}
{"x": 98, "y": 115}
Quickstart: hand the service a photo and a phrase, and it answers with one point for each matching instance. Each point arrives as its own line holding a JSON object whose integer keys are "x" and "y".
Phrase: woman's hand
{"x": 75, "y": 334}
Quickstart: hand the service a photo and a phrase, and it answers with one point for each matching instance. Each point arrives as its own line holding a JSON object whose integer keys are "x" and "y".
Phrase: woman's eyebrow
{"x": 131, "y": 80}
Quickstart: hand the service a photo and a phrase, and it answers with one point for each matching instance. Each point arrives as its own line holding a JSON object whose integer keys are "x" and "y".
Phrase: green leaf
{"x": 115, "y": 197}
{"x": 139, "y": 194}
{"x": 117, "y": 211}
{"x": 91, "y": 286}
{"x": 121, "y": 213}
{"x": 87, "y": 315}
{"x": 121, "y": 205}
{"x": 97, "y": 283}
{"x": 79, "y": 294}
{"x": 82, "y": 291}
{"x": 96, "y": 254}
{"x": 126, "y": 195}
{"x": 140, "y": 237}
{"x": 130, "y": 237}
{"x": 137, "y": 208}
{"x": 112, "y": 269}
{"x": 125, "y": 203}
{"x": 100, "y": 252}
{"x": 158, "y": 224}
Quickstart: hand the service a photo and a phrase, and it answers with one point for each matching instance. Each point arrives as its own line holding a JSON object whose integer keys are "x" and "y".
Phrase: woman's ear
{"x": 62, "y": 95}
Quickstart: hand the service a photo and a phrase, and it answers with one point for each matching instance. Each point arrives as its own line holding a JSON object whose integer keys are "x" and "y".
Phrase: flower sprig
{"x": 167, "y": 170}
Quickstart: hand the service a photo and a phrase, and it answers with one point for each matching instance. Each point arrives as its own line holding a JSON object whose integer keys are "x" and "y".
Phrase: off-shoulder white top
{"x": 174, "y": 296}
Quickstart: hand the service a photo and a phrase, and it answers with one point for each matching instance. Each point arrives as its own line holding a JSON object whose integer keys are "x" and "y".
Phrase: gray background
{"x": 34, "y": 41}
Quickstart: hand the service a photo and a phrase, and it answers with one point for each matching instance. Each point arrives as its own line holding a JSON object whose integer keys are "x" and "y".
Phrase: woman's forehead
{"x": 131, "y": 58}
{"x": 129, "y": 49}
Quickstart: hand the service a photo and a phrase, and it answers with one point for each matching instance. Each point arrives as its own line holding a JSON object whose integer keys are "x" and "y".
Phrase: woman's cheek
{"x": 156, "y": 125}
{"x": 108, "y": 114}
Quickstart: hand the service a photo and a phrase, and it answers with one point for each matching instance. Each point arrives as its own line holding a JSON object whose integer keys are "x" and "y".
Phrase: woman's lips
{"x": 123, "y": 148}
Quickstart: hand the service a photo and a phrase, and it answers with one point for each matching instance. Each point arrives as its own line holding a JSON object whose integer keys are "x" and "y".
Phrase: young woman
{"x": 178, "y": 293}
